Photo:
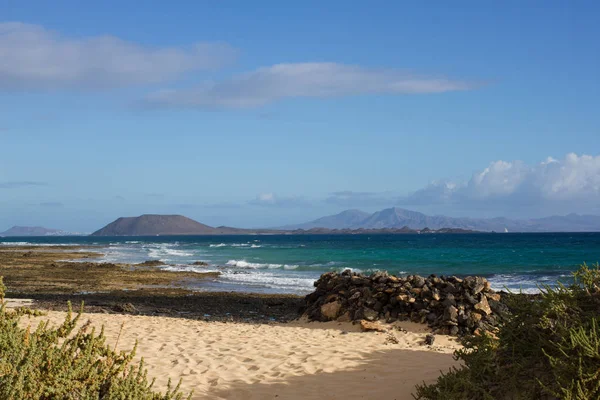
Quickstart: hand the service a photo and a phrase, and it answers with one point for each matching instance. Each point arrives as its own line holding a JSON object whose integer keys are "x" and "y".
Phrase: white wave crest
{"x": 270, "y": 280}
{"x": 250, "y": 245}
{"x": 517, "y": 283}
{"x": 189, "y": 268}
{"x": 179, "y": 253}
{"x": 250, "y": 265}
{"x": 166, "y": 252}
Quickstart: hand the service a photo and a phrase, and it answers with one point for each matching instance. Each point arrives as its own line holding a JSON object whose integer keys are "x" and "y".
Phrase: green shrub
{"x": 58, "y": 363}
{"x": 549, "y": 348}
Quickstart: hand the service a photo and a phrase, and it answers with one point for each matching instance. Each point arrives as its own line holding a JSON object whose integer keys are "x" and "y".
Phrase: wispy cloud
{"x": 323, "y": 80}
{"x": 20, "y": 184}
{"x": 349, "y": 198}
{"x": 273, "y": 200}
{"x": 36, "y": 58}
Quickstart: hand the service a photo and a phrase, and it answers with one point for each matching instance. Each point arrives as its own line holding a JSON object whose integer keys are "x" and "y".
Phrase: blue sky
{"x": 264, "y": 113}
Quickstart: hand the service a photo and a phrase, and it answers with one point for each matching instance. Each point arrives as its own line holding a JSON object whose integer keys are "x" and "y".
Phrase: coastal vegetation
{"x": 53, "y": 363}
{"x": 549, "y": 348}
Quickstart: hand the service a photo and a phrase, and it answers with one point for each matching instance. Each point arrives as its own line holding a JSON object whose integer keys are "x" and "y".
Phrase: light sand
{"x": 285, "y": 361}
{"x": 14, "y": 303}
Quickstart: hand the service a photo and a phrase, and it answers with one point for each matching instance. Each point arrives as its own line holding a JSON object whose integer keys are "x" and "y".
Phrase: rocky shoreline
{"x": 76, "y": 269}
{"x": 449, "y": 305}
{"x": 53, "y": 276}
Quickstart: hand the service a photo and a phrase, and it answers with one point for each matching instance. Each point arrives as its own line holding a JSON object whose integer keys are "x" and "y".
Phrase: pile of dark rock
{"x": 449, "y": 305}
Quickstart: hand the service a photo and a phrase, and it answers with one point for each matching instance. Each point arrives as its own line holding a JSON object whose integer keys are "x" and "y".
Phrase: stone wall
{"x": 450, "y": 305}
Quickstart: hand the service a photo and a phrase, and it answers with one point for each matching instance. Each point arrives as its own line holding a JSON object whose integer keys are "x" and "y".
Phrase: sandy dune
{"x": 292, "y": 361}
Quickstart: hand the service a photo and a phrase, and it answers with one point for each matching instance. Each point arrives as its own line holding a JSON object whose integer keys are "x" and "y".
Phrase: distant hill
{"x": 396, "y": 218}
{"x": 345, "y": 220}
{"x": 152, "y": 225}
{"x": 32, "y": 231}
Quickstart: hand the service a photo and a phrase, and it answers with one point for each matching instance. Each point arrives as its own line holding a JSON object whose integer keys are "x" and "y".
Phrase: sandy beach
{"x": 226, "y": 345}
{"x": 295, "y": 360}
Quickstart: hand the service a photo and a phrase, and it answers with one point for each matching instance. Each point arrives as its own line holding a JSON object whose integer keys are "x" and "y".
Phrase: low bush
{"x": 549, "y": 348}
{"x": 61, "y": 363}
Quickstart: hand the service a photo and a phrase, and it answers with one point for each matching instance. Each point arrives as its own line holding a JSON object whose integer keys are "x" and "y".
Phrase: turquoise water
{"x": 290, "y": 264}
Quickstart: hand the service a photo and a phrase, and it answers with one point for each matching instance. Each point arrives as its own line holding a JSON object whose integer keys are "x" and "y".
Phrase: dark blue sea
{"x": 290, "y": 264}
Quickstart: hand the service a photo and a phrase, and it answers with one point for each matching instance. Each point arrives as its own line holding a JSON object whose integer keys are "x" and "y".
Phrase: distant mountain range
{"x": 164, "y": 225}
{"x": 390, "y": 220}
{"x": 398, "y": 218}
{"x": 34, "y": 231}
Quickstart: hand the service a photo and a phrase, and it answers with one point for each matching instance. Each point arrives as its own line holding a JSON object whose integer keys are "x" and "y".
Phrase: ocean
{"x": 291, "y": 263}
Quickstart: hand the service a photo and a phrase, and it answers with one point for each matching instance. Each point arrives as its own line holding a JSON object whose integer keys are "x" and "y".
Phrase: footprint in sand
{"x": 213, "y": 382}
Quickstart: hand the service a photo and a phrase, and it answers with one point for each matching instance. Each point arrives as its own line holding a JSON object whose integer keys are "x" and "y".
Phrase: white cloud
{"x": 437, "y": 192}
{"x": 348, "y": 198}
{"x": 572, "y": 181}
{"x": 269, "y": 84}
{"x": 33, "y": 58}
{"x": 20, "y": 184}
{"x": 500, "y": 178}
{"x": 272, "y": 200}
{"x": 575, "y": 176}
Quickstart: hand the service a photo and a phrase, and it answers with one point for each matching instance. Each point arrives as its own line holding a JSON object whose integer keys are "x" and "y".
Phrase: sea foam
{"x": 251, "y": 265}
{"x": 270, "y": 280}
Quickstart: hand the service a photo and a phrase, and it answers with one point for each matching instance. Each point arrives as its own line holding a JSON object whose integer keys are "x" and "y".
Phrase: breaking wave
{"x": 248, "y": 245}
{"x": 270, "y": 280}
{"x": 250, "y": 265}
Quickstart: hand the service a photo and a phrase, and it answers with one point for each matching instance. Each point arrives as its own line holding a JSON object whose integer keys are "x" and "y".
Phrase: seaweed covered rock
{"x": 450, "y": 305}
